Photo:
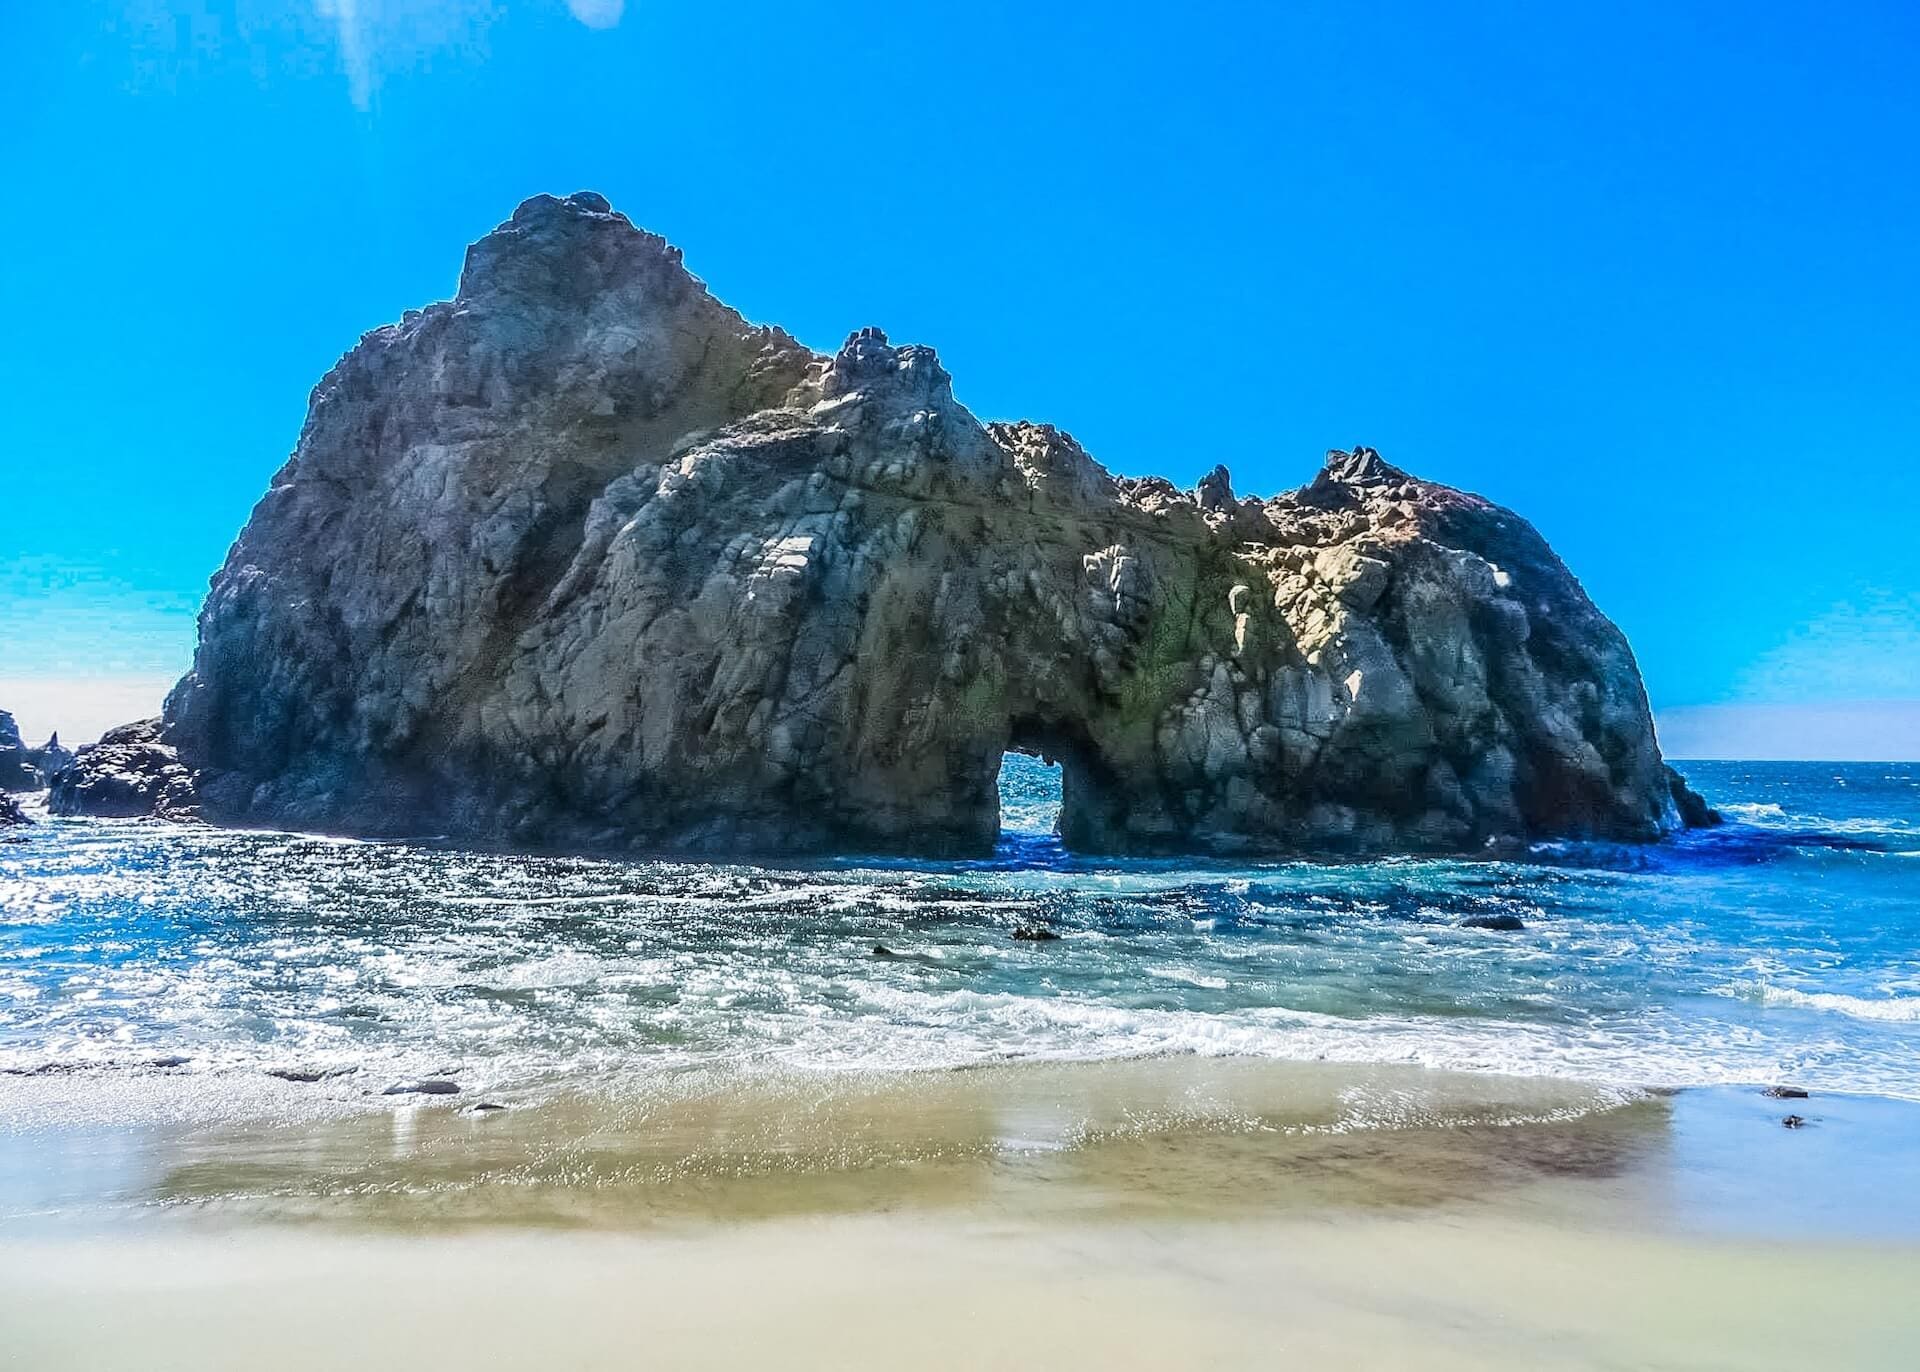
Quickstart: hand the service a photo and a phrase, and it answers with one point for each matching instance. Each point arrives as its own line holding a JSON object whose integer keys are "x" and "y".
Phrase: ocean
{"x": 177, "y": 967}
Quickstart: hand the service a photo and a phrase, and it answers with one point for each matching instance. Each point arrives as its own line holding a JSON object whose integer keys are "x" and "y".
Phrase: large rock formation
{"x": 582, "y": 558}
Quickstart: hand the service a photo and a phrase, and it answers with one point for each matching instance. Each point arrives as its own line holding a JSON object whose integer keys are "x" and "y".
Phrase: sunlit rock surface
{"x": 582, "y": 558}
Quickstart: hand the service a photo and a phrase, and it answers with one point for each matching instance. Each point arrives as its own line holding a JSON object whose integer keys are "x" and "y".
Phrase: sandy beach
{"x": 1170, "y": 1212}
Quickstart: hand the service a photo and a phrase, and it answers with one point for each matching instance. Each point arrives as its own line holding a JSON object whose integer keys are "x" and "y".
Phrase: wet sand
{"x": 1171, "y": 1212}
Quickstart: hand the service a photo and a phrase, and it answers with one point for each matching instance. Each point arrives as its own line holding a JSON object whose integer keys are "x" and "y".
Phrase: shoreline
{"x": 1175, "y": 1137}
{"x": 1183, "y": 1211}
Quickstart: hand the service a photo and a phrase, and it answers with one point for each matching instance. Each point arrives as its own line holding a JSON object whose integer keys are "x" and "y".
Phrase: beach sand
{"x": 1175, "y": 1212}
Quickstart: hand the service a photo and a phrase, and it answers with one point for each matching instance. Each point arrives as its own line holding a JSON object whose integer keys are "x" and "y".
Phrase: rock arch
{"x": 582, "y": 558}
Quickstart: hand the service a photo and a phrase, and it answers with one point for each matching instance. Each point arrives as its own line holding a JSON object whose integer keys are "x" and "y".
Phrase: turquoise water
{"x": 1783, "y": 947}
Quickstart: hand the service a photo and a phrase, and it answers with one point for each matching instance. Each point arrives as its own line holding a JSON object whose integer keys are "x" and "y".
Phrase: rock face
{"x": 582, "y": 558}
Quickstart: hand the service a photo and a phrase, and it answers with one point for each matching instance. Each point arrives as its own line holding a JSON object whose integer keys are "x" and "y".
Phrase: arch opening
{"x": 1052, "y": 779}
{"x": 1031, "y": 791}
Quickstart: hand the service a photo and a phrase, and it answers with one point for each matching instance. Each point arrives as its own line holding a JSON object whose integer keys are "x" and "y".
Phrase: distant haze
{"x": 82, "y": 707}
{"x": 1842, "y": 731}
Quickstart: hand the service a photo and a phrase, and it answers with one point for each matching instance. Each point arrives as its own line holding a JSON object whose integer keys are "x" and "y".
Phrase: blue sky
{"x": 1645, "y": 272}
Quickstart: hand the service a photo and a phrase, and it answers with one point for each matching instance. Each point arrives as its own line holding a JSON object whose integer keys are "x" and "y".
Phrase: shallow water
{"x": 1785, "y": 946}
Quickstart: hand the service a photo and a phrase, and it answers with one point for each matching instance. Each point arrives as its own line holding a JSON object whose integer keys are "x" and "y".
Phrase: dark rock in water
{"x": 1794, "y": 1122}
{"x": 880, "y": 950}
{"x": 1784, "y": 1093}
{"x": 171, "y": 1060}
{"x": 17, "y": 772}
{"x": 485, "y": 1107}
{"x": 431, "y": 1086}
{"x": 1506, "y": 924}
{"x": 1030, "y": 935}
{"x": 131, "y": 771}
{"x": 583, "y": 558}
{"x": 1693, "y": 809}
{"x": 10, "y": 812}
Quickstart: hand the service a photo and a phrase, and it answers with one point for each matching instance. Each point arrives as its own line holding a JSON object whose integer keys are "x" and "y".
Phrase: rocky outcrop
{"x": 51, "y": 758}
{"x": 129, "y": 772}
{"x": 11, "y": 815}
{"x": 582, "y": 558}
{"x": 28, "y": 769}
{"x": 17, "y": 772}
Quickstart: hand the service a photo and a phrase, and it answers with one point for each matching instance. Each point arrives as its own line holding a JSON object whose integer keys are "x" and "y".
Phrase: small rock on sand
{"x": 431, "y": 1086}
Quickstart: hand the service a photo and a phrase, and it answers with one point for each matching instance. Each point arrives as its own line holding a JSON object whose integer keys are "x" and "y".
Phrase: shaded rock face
{"x": 581, "y": 558}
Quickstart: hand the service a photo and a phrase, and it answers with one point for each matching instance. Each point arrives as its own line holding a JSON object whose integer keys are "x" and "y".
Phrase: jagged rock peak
{"x": 585, "y": 559}
{"x": 1215, "y": 491}
{"x": 1361, "y": 467}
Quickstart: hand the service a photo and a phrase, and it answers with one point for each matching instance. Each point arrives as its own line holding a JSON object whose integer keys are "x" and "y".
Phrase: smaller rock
{"x": 430, "y": 1086}
{"x": 1506, "y": 924}
{"x": 880, "y": 950}
{"x": 1034, "y": 935}
{"x": 10, "y": 812}
{"x": 485, "y": 1107}
{"x": 1784, "y": 1093}
{"x": 1694, "y": 811}
{"x": 170, "y": 1060}
{"x": 1794, "y": 1122}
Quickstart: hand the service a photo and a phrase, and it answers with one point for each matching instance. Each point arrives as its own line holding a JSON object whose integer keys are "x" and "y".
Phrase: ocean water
{"x": 1784, "y": 947}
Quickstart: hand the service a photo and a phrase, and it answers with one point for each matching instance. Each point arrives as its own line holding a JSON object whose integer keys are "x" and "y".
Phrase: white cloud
{"x": 598, "y": 14}
{"x": 376, "y": 38}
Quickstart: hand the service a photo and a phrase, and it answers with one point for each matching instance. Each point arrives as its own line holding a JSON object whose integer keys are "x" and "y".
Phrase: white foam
{"x": 1896, "y": 1009}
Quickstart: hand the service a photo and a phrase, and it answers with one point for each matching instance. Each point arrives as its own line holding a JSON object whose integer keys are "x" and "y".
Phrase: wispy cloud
{"x": 349, "y": 24}
{"x": 376, "y": 38}
{"x": 598, "y": 14}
